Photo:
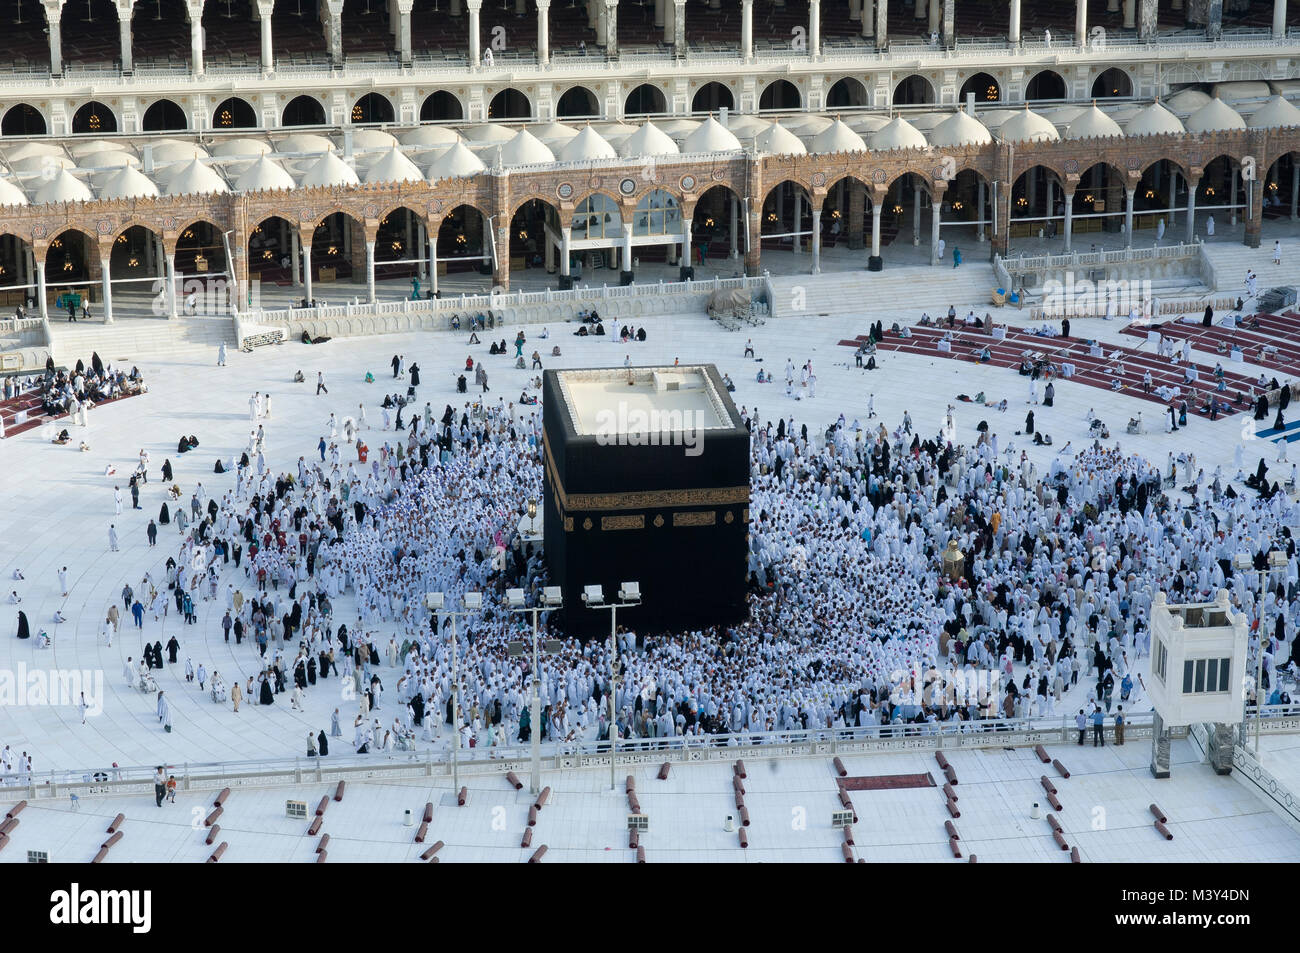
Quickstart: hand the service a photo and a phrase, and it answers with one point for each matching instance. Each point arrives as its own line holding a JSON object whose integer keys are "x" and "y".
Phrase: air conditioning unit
{"x": 295, "y": 809}
{"x": 38, "y": 857}
{"x": 638, "y": 822}
{"x": 841, "y": 819}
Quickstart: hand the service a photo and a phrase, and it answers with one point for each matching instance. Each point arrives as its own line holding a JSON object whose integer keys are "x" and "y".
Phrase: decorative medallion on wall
{"x": 435, "y": 208}
{"x": 38, "y": 231}
{"x": 370, "y": 211}
{"x": 564, "y": 190}
{"x": 687, "y": 183}
{"x": 879, "y": 177}
{"x": 719, "y": 175}
{"x": 305, "y": 215}
{"x": 586, "y": 524}
{"x": 1134, "y": 163}
{"x": 627, "y": 186}
{"x": 534, "y": 187}
{"x": 169, "y": 223}
{"x": 1194, "y": 160}
{"x": 818, "y": 179}
{"x": 730, "y": 517}
{"x": 659, "y": 521}
{"x": 1071, "y": 166}
{"x": 104, "y": 227}
{"x": 595, "y": 182}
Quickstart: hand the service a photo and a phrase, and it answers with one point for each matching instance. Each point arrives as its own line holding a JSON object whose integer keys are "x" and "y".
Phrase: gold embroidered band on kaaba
{"x": 639, "y": 499}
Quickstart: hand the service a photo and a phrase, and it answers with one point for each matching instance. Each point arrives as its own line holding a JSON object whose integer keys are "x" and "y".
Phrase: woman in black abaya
{"x": 24, "y": 631}
{"x": 164, "y": 515}
{"x": 267, "y": 697}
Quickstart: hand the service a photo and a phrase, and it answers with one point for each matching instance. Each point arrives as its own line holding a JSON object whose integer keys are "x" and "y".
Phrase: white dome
{"x": 303, "y": 142}
{"x": 264, "y": 175}
{"x": 392, "y": 166}
{"x": 130, "y": 183}
{"x": 679, "y": 128}
{"x": 609, "y": 131}
{"x": 27, "y": 149}
{"x": 372, "y": 139}
{"x": 747, "y": 127}
{"x": 329, "y": 170}
{"x": 1276, "y": 113}
{"x": 1028, "y": 126}
{"x": 10, "y": 194}
{"x": 195, "y": 178}
{"x": 711, "y": 136}
{"x": 898, "y": 133}
{"x": 39, "y": 163}
{"x": 807, "y": 124}
{"x": 252, "y": 148}
{"x": 837, "y": 137}
{"x": 64, "y": 187}
{"x": 80, "y": 149}
{"x": 488, "y": 132}
{"x": 176, "y": 151}
{"x": 1214, "y": 116}
{"x": 430, "y": 136}
{"x": 525, "y": 149}
{"x": 1245, "y": 89}
{"x": 1188, "y": 100}
{"x": 456, "y": 163}
{"x": 958, "y": 130}
{"x": 649, "y": 140}
{"x": 553, "y": 131}
{"x": 586, "y": 145}
{"x": 107, "y": 160}
{"x": 776, "y": 140}
{"x": 1155, "y": 120}
{"x": 1092, "y": 123}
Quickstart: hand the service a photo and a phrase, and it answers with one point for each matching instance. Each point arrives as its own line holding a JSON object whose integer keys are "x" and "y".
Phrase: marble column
{"x": 196, "y": 38}
{"x": 53, "y": 15}
{"x": 1147, "y": 19}
{"x": 1069, "y": 220}
{"x": 264, "y": 18}
{"x": 171, "y": 287}
{"x": 1129, "y": 20}
{"x": 474, "y": 53}
{"x": 611, "y": 28}
{"x": 1191, "y": 210}
{"x": 1160, "y": 740}
{"x": 106, "y": 286}
{"x": 627, "y": 276}
{"x": 916, "y": 218}
{"x": 679, "y": 26}
{"x": 1279, "y": 19}
{"x": 817, "y": 241}
{"x": 1214, "y": 24}
{"x": 40, "y": 290}
{"x": 979, "y": 212}
{"x": 543, "y": 31}
{"x": 1129, "y": 195}
{"x": 1013, "y": 29}
{"x": 882, "y": 24}
{"x": 747, "y": 29}
{"x": 1295, "y": 185}
{"x": 1081, "y": 23}
{"x": 876, "y": 209}
{"x": 124, "y": 36}
{"x": 936, "y": 204}
{"x": 814, "y": 28}
{"x": 868, "y": 18}
{"x": 949, "y": 24}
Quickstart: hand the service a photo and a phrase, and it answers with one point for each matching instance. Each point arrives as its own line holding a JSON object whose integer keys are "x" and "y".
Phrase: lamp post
{"x": 629, "y": 595}
{"x": 1277, "y": 563}
{"x": 552, "y": 598}
{"x": 471, "y": 602}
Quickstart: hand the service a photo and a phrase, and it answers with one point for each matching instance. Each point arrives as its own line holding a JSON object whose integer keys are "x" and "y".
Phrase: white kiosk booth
{"x": 1198, "y": 661}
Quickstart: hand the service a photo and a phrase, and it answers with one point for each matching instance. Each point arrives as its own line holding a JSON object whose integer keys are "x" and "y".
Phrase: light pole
{"x": 552, "y": 598}
{"x": 1277, "y": 563}
{"x": 629, "y": 594}
{"x": 471, "y": 602}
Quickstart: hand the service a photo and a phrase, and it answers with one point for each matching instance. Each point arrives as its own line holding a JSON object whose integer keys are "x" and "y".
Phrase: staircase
{"x": 1230, "y": 261}
{"x": 922, "y": 287}
{"x": 129, "y": 340}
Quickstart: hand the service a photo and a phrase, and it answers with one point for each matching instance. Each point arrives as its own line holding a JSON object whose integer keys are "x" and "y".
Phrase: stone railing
{"x": 1252, "y": 775}
{"x": 515, "y": 308}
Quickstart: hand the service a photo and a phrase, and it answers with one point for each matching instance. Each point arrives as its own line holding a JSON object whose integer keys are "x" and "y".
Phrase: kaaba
{"x": 646, "y": 481}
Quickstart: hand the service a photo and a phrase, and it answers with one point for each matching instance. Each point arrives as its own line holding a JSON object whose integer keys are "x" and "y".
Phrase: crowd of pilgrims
{"x": 64, "y": 391}
{"x": 853, "y": 620}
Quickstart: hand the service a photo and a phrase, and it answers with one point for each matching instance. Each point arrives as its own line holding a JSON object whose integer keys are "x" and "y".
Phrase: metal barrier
{"x": 396, "y": 766}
